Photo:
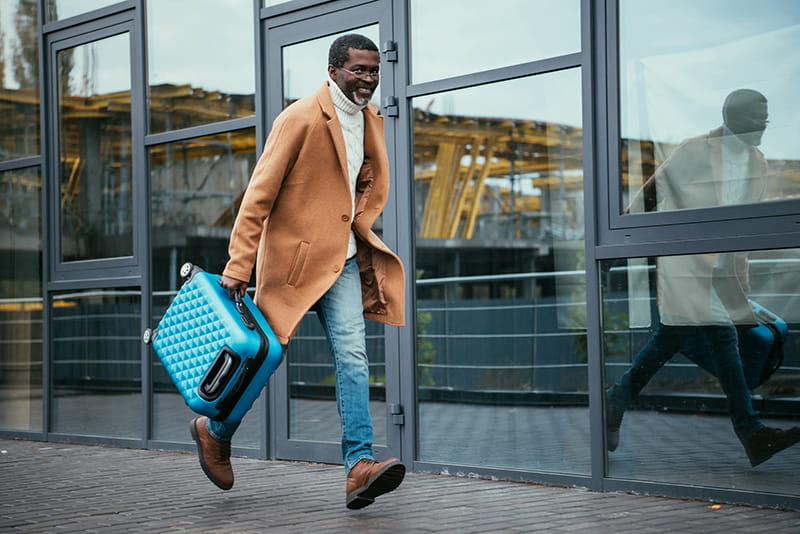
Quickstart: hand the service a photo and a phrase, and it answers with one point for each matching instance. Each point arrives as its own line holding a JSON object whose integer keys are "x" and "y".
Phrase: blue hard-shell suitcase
{"x": 219, "y": 351}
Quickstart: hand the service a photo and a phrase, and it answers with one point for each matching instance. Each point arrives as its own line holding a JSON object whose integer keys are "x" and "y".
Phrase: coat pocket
{"x": 298, "y": 262}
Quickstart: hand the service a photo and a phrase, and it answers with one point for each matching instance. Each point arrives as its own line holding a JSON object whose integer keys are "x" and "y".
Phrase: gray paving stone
{"x": 51, "y": 487}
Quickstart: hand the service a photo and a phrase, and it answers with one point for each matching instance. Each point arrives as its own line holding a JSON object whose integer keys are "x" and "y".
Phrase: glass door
{"x": 95, "y": 238}
{"x": 306, "y": 425}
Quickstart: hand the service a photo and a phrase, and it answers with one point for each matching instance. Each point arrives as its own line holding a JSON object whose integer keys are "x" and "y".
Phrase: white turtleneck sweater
{"x": 352, "y": 121}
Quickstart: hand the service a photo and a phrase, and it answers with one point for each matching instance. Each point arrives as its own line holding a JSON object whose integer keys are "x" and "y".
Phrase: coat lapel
{"x": 334, "y": 128}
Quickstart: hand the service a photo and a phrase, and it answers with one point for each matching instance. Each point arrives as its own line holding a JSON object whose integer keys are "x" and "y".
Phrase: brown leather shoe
{"x": 215, "y": 456}
{"x": 368, "y": 479}
{"x": 767, "y": 442}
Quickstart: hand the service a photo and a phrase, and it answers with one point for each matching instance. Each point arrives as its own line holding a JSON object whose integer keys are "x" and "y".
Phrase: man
{"x": 702, "y": 298}
{"x": 305, "y": 221}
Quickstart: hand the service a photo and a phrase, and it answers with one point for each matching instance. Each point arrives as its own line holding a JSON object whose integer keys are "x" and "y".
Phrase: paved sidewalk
{"x": 56, "y": 487}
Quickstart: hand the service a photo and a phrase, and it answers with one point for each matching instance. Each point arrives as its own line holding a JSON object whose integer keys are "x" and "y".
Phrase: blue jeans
{"x": 714, "y": 348}
{"x": 340, "y": 311}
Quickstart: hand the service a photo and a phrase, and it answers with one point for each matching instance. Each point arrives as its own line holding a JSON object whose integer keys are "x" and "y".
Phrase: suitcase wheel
{"x": 186, "y": 269}
{"x": 148, "y": 336}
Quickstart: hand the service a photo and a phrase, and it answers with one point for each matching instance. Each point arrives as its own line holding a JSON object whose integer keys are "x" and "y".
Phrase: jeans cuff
{"x": 215, "y": 435}
{"x": 353, "y": 464}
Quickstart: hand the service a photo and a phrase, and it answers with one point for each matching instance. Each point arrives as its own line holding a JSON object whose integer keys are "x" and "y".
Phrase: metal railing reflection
{"x": 630, "y": 313}
{"x": 96, "y": 341}
{"x": 493, "y": 334}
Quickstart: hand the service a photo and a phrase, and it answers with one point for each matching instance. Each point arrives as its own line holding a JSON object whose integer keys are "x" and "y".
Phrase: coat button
{"x": 346, "y": 218}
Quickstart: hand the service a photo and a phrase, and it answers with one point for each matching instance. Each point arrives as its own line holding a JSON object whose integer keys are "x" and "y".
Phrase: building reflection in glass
{"x": 673, "y": 85}
{"x": 498, "y": 177}
{"x": 183, "y": 90}
{"x": 21, "y": 300}
{"x": 97, "y": 386}
{"x": 671, "y": 372}
{"x": 19, "y": 80}
{"x": 95, "y": 154}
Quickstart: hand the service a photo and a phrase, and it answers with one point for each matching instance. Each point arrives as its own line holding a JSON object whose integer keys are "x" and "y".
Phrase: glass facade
{"x": 62, "y": 9}
{"x": 21, "y": 300}
{"x": 19, "y": 80}
{"x": 498, "y": 178}
{"x": 723, "y": 83}
{"x": 454, "y": 37}
{"x": 94, "y": 119}
{"x": 513, "y": 135}
{"x": 96, "y": 363}
{"x": 182, "y": 90}
{"x": 687, "y": 366}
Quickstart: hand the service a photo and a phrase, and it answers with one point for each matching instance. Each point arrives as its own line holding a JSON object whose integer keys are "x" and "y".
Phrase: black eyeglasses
{"x": 362, "y": 74}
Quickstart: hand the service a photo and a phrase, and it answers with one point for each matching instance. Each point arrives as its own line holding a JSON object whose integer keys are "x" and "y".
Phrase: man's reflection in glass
{"x": 715, "y": 169}
{"x": 702, "y": 299}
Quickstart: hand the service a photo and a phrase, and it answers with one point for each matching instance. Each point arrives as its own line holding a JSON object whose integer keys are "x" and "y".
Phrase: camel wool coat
{"x": 295, "y": 218}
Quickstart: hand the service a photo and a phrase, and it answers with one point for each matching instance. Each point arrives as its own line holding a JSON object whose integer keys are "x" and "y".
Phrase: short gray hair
{"x": 339, "y": 51}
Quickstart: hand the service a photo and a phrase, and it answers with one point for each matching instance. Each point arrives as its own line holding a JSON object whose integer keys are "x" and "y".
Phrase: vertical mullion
{"x": 405, "y": 234}
{"x": 141, "y": 205}
{"x": 590, "y": 178}
{"x": 266, "y": 437}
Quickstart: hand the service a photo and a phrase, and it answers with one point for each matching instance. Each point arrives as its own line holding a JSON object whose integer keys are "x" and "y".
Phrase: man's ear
{"x": 331, "y": 72}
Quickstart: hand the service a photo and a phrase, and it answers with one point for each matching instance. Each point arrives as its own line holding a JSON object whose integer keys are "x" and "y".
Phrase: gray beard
{"x": 359, "y": 101}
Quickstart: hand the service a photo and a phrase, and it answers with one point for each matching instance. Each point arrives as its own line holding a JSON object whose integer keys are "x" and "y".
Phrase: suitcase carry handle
{"x": 247, "y": 317}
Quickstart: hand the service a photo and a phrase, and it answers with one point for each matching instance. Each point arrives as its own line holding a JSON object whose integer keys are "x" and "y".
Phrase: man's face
{"x": 748, "y": 124}
{"x": 359, "y": 89}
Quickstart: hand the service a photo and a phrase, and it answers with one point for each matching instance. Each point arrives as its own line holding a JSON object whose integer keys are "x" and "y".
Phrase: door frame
{"x": 114, "y": 272}
{"x": 294, "y": 28}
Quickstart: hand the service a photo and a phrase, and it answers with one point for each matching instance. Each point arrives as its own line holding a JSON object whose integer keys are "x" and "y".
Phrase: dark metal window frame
{"x": 108, "y": 273}
{"x": 769, "y": 225}
{"x": 582, "y": 61}
{"x": 772, "y": 224}
{"x": 124, "y": 271}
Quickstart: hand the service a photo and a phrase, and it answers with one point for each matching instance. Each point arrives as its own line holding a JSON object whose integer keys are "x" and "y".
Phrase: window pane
{"x": 19, "y": 80}
{"x": 196, "y": 187}
{"x": 94, "y": 95}
{"x": 500, "y": 275}
{"x": 21, "y": 300}
{"x": 454, "y": 37}
{"x": 97, "y": 363}
{"x": 682, "y": 66}
{"x": 61, "y": 9}
{"x": 200, "y": 62}
{"x": 685, "y": 367}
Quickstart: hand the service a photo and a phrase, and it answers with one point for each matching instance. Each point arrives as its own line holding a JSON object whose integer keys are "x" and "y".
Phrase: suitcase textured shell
{"x": 203, "y": 332}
